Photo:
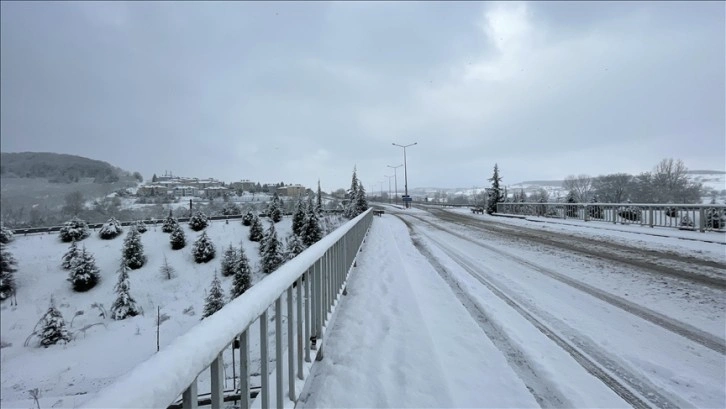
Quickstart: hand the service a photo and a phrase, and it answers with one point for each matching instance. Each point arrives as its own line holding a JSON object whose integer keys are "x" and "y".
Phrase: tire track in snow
{"x": 685, "y": 330}
{"x": 635, "y": 390}
{"x": 542, "y": 389}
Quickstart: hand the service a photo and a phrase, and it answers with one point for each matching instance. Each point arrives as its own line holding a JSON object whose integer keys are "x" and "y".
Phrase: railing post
{"x": 244, "y": 370}
{"x": 278, "y": 352}
{"x": 615, "y": 215}
{"x": 217, "y": 374}
{"x": 309, "y": 312}
{"x": 189, "y": 397}
{"x": 290, "y": 345}
{"x": 701, "y": 219}
{"x": 264, "y": 360}
{"x": 300, "y": 317}
{"x": 651, "y": 215}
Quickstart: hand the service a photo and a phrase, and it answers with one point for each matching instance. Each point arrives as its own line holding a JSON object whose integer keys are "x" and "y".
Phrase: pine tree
{"x": 166, "y": 270}
{"x": 247, "y": 218}
{"x": 133, "y": 251}
{"x": 83, "y": 273}
{"x": 74, "y": 229}
{"x": 352, "y": 195}
{"x": 242, "y": 280}
{"x": 495, "y": 195}
{"x": 203, "y": 249}
{"x": 70, "y": 254}
{"x": 256, "y": 232}
{"x": 298, "y": 217}
{"x": 7, "y": 273}
{"x": 177, "y": 238}
{"x": 293, "y": 246}
{"x": 311, "y": 233}
{"x": 199, "y": 221}
{"x": 154, "y": 178}
{"x": 273, "y": 210}
{"x": 215, "y": 299}
{"x": 319, "y": 203}
{"x": 125, "y": 305}
{"x": 140, "y": 226}
{"x": 6, "y": 235}
{"x": 228, "y": 261}
{"x": 272, "y": 253}
{"x": 361, "y": 204}
{"x": 110, "y": 229}
{"x": 169, "y": 223}
{"x": 54, "y": 327}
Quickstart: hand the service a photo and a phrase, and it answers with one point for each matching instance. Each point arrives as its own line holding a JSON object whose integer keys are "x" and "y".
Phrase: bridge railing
{"x": 711, "y": 217}
{"x": 316, "y": 276}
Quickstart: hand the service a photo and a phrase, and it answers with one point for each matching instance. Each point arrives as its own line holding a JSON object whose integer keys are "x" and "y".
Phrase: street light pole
{"x": 405, "y": 171}
{"x": 395, "y": 175}
{"x": 389, "y": 187}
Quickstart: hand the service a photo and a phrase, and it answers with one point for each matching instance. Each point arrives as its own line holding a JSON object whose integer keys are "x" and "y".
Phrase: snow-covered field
{"x": 67, "y": 375}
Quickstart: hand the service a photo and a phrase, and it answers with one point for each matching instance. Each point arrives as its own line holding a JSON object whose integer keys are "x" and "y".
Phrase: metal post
{"x": 395, "y": 175}
{"x": 309, "y": 313}
{"x": 244, "y": 370}
{"x": 290, "y": 346}
{"x": 701, "y": 219}
{"x": 189, "y": 397}
{"x": 217, "y": 373}
{"x": 300, "y": 342}
{"x": 264, "y": 359}
{"x": 278, "y": 352}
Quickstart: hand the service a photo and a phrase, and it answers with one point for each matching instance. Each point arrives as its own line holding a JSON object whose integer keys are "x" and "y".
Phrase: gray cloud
{"x": 299, "y": 91}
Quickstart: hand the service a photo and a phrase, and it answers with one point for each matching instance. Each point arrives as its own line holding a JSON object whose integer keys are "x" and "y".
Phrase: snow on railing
{"x": 320, "y": 271}
{"x": 702, "y": 217}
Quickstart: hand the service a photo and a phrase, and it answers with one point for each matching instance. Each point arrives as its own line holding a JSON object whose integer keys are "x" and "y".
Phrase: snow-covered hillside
{"x": 100, "y": 353}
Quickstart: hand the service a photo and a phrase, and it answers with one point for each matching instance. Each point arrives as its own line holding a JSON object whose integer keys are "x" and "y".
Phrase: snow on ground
{"x": 402, "y": 339}
{"x": 98, "y": 355}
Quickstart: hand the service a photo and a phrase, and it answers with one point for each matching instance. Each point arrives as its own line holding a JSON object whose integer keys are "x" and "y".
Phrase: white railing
{"x": 711, "y": 217}
{"x": 317, "y": 276}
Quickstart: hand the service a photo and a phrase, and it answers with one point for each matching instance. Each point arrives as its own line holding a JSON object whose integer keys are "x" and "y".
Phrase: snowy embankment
{"x": 402, "y": 339}
{"x": 68, "y": 375}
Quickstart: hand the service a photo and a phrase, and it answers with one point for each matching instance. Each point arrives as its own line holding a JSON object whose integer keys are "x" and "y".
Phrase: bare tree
{"x": 73, "y": 203}
{"x": 613, "y": 188}
{"x": 580, "y": 186}
{"x": 670, "y": 183}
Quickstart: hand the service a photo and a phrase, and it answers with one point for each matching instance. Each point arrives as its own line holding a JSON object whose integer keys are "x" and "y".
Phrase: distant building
{"x": 291, "y": 190}
{"x": 244, "y": 185}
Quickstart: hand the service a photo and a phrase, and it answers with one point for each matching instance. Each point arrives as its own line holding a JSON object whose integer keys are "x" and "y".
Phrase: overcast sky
{"x": 298, "y": 91}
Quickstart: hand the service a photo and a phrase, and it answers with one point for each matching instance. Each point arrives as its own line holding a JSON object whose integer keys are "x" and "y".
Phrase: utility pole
{"x": 407, "y": 198}
{"x": 389, "y": 187}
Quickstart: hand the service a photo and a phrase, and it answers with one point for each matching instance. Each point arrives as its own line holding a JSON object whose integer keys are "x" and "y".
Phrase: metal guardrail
{"x": 703, "y": 218}
{"x": 317, "y": 277}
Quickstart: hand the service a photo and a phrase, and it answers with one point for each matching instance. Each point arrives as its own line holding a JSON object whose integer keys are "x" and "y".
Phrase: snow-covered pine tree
{"x": 298, "y": 217}
{"x": 293, "y": 246}
{"x": 242, "y": 280}
{"x": 110, "y": 229}
{"x": 54, "y": 327}
{"x": 74, "y": 229}
{"x": 215, "y": 299}
{"x": 311, "y": 232}
{"x": 83, "y": 273}
{"x": 272, "y": 257}
{"x": 140, "y": 226}
{"x": 256, "y": 231}
{"x": 133, "y": 251}
{"x": 7, "y": 272}
{"x": 495, "y": 195}
{"x": 166, "y": 270}
{"x": 125, "y": 305}
{"x": 361, "y": 204}
{"x": 247, "y": 218}
{"x": 352, "y": 194}
{"x": 199, "y": 221}
{"x": 169, "y": 223}
{"x": 6, "y": 235}
{"x": 203, "y": 249}
{"x": 228, "y": 261}
{"x": 274, "y": 209}
{"x": 177, "y": 238}
{"x": 70, "y": 254}
{"x": 319, "y": 200}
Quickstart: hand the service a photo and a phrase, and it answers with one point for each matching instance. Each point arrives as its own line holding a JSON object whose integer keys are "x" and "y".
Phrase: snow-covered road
{"x": 451, "y": 310}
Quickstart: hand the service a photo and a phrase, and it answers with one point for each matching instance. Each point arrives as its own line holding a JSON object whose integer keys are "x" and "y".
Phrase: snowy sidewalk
{"x": 402, "y": 339}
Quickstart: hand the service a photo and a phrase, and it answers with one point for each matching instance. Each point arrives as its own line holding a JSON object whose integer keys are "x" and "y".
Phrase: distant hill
{"x": 58, "y": 168}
